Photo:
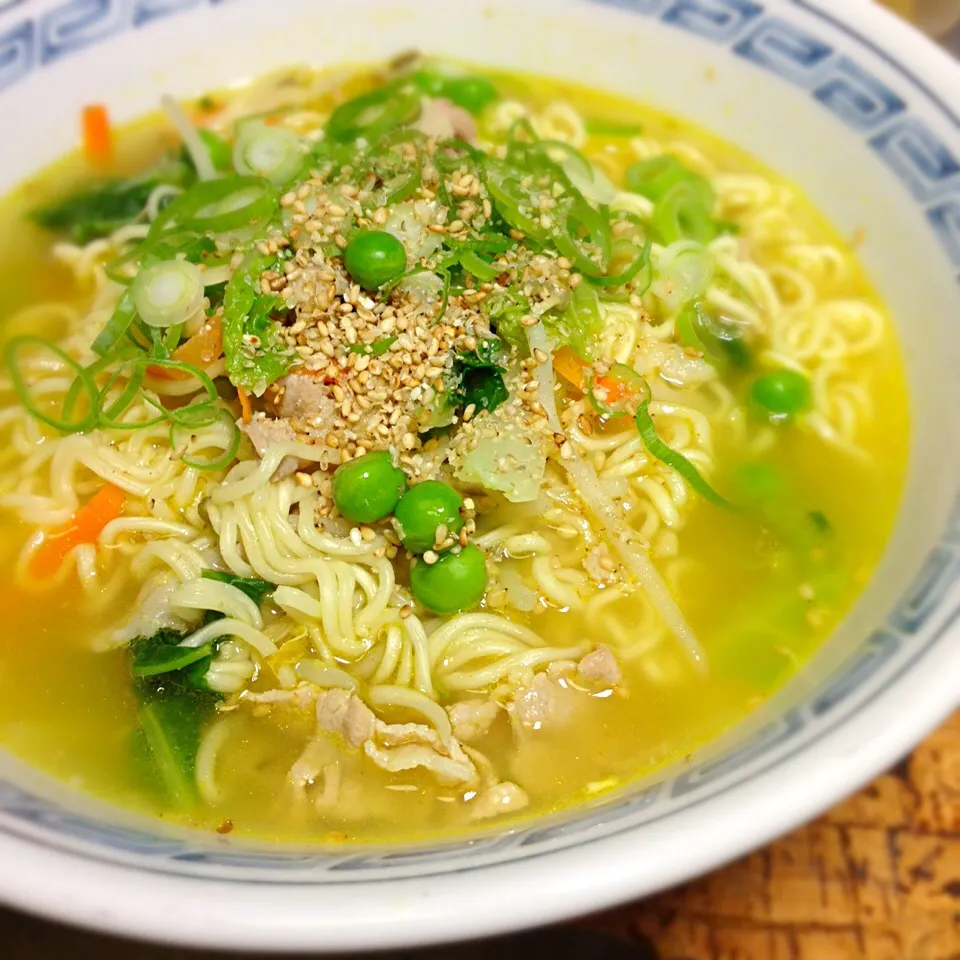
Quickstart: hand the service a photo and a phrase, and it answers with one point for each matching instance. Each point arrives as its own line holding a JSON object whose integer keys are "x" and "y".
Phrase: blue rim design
{"x": 927, "y": 169}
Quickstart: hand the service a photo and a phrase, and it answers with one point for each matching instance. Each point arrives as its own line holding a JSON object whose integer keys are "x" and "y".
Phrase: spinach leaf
{"x": 489, "y": 353}
{"x": 478, "y": 377}
{"x": 162, "y": 653}
{"x": 256, "y": 355}
{"x": 170, "y": 728}
{"x": 483, "y": 388}
{"x": 175, "y": 705}
{"x": 257, "y": 590}
{"x": 96, "y": 212}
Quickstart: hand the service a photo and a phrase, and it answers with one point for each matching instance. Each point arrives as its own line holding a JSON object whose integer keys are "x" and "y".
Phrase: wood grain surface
{"x": 878, "y": 878}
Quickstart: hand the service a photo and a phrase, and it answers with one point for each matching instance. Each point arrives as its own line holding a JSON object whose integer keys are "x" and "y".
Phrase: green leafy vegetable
{"x": 478, "y": 377}
{"x": 175, "y": 705}
{"x": 483, "y": 388}
{"x": 256, "y": 356}
{"x": 161, "y": 653}
{"x": 257, "y": 590}
{"x": 98, "y": 211}
{"x": 171, "y": 726}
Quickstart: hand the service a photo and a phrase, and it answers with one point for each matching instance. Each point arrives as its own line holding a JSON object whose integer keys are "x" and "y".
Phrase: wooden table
{"x": 878, "y": 878}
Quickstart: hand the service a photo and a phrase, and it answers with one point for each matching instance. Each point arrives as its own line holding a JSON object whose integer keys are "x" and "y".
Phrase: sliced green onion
{"x": 618, "y": 393}
{"x": 673, "y": 459}
{"x": 215, "y": 206}
{"x": 587, "y": 178}
{"x": 631, "y": 271}
{"x": 117, "y": 326}
{"x": 166, "y": 363}
{"x": 109, "y": 417}
{"x": 685, "y": 272}
{"x": 404, "y": 187}
{"x": 681, "y": 214}
{"x": 475, "y": 265}
{"x": 583, "y": 235}
{"x": 64, "y": 423}
{"x": 226, "y": 458}
{"x": 511, "y": 202}
{"x": 274, "y": 153}
{"x": 656, "y": 177}
{"x": 721, "y": 340}
{"x": 374, "y": 114}
{"x": 168, "y": 293}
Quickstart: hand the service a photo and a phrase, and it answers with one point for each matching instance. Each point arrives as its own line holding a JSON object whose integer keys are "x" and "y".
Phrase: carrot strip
{"x": 87, "y": 525}
{"x": 97, "y": 136}
{"x": 200, "y": 350}
{"x": 570, "y": 367}
{"x": 246, "y": 407}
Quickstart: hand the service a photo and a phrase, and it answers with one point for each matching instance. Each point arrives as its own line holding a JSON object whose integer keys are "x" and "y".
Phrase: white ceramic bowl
{"x": 840, "y": 97}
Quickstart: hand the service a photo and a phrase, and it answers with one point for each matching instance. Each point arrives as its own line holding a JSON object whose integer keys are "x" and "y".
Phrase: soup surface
{"x": 390, "y": 451}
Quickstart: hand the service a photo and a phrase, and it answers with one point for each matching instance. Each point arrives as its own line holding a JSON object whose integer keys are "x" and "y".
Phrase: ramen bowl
{"x": 850, "y": 104}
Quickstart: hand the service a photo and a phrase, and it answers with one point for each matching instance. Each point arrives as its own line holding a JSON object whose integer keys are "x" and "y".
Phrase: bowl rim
{"x": 257, "y": 915}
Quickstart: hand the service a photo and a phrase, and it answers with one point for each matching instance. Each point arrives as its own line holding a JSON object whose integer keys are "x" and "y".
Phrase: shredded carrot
{"x": 245, "y": 406}
{"x": 97, "y": 137}
{"x": 570, "y": 367}
{"x": 87, "y": 525}
{"x": 200, "y": 350}
{"x": 613, "y": 389}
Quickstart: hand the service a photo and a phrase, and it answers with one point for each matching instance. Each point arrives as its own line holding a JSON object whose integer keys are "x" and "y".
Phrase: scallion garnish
{"x": 167, "y": 293}
{"x": 274, "y": 153}
{"x": 66, "y": 422}
{"x": 672, "y": 458}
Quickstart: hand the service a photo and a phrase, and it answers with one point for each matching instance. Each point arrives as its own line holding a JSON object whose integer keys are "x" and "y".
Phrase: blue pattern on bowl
{"x": 928, "y": 170}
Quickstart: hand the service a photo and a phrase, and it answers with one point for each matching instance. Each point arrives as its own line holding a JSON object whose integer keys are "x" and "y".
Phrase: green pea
{"x": 455, "y": 582}
{"x": 368, "y": 488}
{"x": 471, "y": 93}
{"x": 781, "y": 394}
{"x": 758, "y": 483}
{"x": 422, "y": 509}
{"x": 375, "y": 258}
